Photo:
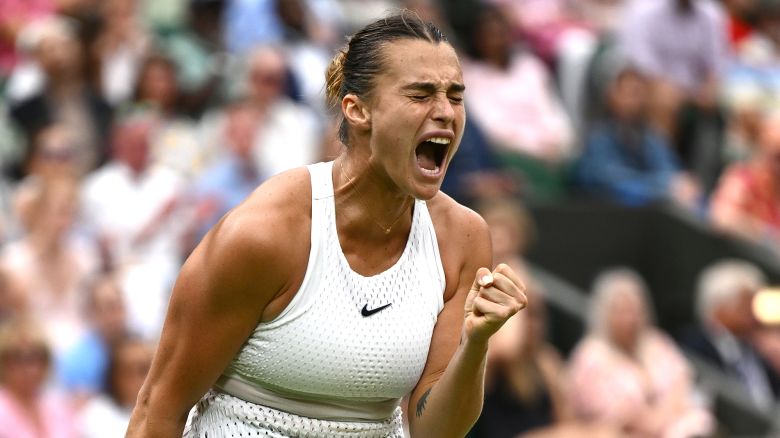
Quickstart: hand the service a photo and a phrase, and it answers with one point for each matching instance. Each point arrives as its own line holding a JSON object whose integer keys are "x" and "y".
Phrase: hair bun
{"x": 334, "y": 77}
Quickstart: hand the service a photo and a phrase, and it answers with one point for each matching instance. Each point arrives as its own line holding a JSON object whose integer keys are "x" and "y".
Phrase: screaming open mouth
{"x": 431, "y": 153}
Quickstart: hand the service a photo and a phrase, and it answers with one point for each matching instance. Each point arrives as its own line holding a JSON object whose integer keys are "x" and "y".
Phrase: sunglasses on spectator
{"x": 26, "y": 356}
{"x": 58, "y": 154}
{"x": 267, "y": 78}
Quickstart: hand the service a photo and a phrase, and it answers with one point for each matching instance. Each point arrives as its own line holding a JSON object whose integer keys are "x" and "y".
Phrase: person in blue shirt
{"x": 232, "y": 178}
{"x": 82, "y": 369}
{"x": 625, "y": 160}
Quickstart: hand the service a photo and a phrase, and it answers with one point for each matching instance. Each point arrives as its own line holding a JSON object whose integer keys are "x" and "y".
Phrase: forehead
{"x": 411, "y": 60}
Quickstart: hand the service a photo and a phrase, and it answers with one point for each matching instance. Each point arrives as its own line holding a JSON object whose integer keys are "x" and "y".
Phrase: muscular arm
{"x": 217, "y": 301}
{"x": 448, "y": 398}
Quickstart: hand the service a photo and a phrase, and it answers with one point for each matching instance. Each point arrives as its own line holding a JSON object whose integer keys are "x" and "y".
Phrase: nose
{"x": 443, "y": 110}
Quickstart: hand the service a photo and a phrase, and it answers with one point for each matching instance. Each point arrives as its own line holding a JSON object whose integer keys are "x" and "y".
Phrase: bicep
{"x": 214, "y": 307}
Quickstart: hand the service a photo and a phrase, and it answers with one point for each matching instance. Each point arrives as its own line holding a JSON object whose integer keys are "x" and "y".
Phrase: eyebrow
{"x": 430, "y": 87}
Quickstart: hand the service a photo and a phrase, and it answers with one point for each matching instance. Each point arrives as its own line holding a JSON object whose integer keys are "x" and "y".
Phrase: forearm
{"x": 146, "y": 428}
{"x": 149, "y": 420}
{"x": 450, "y": 407}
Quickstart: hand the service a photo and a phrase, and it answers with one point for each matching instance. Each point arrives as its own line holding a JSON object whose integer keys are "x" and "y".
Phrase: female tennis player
{"x": 338, "y": 289}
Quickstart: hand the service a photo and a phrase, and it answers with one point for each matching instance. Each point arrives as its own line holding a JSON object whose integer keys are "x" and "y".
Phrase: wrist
{"x": 474, "y": 344}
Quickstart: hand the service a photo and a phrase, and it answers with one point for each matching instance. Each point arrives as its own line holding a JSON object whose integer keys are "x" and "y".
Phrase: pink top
{"x": 607, "y": 386}
{"x": 517, "y": 107}
{"x": 17, "y": 14}
{"x": 58, "y": 421}
{"x": 749, "y": 188}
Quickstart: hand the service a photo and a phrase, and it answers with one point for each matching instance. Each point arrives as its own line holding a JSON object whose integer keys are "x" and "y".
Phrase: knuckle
{"x": 505, "y": 313}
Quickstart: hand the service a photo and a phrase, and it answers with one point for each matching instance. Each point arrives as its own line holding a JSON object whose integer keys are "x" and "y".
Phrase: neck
{"x": 26, "y": 399}
{"x": 46, "y": 245}
{"x": 65, "y": 86}
{"x": 371, "y": 205}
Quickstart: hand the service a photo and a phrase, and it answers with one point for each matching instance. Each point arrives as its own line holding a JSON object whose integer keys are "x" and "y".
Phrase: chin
{"x": 427, "y": 196}
{"x": 424, "y": 191}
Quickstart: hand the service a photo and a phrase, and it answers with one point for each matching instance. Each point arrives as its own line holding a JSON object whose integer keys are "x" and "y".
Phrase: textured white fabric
{"x": 321, "y": 347}
{"x": 220, "y": 415}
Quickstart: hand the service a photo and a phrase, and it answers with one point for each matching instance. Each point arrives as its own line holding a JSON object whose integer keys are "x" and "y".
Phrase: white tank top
{"x": 347, "y": 347}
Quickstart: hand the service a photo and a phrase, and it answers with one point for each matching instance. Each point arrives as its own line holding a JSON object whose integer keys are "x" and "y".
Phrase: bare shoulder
{"x": 458, "y": 223}
{"x": 270, "y": 222}
{"x": 275, "y": 209}
{"x": 463, "y": 238}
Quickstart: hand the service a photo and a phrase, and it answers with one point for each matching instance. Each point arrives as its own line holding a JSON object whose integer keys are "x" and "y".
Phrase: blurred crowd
{"x": 129, "y": 127}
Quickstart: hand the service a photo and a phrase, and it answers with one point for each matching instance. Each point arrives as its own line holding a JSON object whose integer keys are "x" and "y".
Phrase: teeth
{"x": 439, "y": 140}
{"x": 431, "y": 172}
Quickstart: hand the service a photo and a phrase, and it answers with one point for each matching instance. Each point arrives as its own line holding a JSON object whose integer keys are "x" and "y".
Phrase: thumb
{"x": 483, "y": 278}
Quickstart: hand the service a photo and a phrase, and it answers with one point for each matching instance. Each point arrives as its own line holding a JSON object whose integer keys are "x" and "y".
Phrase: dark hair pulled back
{"x": 353, "y": 69}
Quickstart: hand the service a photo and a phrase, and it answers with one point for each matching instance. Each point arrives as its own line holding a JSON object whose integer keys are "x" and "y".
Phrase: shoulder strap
{"x": 321, "y": 180}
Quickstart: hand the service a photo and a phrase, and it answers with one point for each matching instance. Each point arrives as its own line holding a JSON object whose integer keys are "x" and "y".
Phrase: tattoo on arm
{"x": 421, "y": 403}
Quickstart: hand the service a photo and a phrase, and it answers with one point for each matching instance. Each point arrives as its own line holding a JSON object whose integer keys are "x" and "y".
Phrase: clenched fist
{"x": 494, "y": 297}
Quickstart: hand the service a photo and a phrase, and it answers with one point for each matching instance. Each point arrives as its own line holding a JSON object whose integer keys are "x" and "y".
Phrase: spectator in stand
{"x": 14, "y": 15}
{"x": 118, "y": 49}
{"x": 741, "y": 19}
{"x": 308, "y": 57}
{"x": 510, "y": 97}
{"x": 752, "y": 82}
{"x": 762, "y": 47}
{"x": 27, "y": 408}
{"x": 108, "y": 414}
{"x": 53, "y": 156}
{"x": 156, "y": 86}
{"x": 83, "y": 368}
{"x": 199, "y": 54}
{"x": 250, "y": 23}
{"x": 554, "y": 32}
{"x": 232, "y": 178}
{"x": 543, "y": 24}
{"x": 475, "y": 173}
{"x": 512, "y": 231}
{"x": 175, "y": 144}
{"x": 525, "y": 375}
{"x": 746, "y": 202}
{"x": 727, "y": 326}
{"x": 682, "y": 47}
{"x": 287, "y": 134}
{"x": 67, "y": 97}
{"x": 50, "y": 262}
{"x": 625, "y": 159}
{"x": 525, "y": 388}
{"x": 627, "y": 373}
{"x": 131, "y": 205}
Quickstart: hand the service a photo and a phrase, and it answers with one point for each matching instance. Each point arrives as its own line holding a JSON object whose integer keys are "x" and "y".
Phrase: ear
{"x": 356, "y": 112}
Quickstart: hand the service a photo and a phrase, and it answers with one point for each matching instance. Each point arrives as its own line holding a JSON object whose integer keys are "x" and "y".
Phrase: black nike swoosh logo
{"x": 366, "y": 312}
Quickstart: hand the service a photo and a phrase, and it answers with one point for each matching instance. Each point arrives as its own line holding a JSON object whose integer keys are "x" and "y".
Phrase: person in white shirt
{"x": 132, "y": 205}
